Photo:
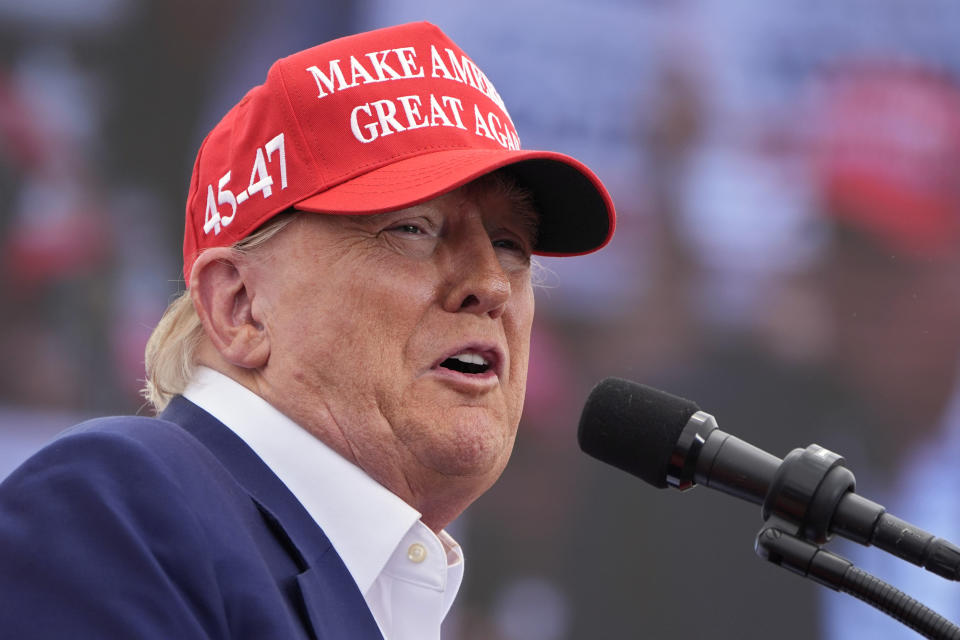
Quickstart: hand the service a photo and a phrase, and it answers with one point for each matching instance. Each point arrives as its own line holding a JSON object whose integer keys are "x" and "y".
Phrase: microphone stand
{"x": 797, "y": 511}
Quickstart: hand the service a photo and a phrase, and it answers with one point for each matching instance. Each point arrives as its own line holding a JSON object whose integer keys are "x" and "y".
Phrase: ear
{"x": 223, "y": 297}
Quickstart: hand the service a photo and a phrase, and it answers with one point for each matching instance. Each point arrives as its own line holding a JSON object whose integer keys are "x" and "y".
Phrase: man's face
{"x": 895, "y": 324}
{"x": 402, "y": 339}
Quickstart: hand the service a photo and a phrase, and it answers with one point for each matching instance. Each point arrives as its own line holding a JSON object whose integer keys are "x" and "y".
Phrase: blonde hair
{"x": 170, "y": 356}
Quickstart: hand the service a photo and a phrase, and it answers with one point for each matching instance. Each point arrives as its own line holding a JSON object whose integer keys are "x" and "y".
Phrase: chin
{"x": 473, "y": 449}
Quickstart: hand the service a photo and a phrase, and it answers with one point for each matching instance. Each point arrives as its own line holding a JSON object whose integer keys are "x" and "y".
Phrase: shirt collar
{"x": 364, "y": 521}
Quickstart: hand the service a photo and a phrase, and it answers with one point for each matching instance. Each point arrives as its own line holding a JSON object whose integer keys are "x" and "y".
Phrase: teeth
{"x": 471, "y": 358}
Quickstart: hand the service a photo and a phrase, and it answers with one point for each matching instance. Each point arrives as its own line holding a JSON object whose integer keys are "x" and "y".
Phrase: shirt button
{"x": 417, "y": 553}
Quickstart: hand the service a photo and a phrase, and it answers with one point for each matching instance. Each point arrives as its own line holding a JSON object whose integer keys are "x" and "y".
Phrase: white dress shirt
{"x": 408, "y": 575}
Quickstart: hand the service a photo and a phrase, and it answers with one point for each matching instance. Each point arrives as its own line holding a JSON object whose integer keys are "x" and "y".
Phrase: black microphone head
{"x": 633, "y": 427}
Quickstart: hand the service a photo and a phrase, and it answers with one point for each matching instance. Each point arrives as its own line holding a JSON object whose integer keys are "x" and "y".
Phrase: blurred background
{"x": 787, "y": 178}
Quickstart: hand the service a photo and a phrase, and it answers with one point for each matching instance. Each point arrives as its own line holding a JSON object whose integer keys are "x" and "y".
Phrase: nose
{"x": 478, "y": 282}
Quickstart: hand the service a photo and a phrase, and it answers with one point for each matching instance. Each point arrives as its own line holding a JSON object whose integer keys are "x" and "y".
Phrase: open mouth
{"x": 469, "y": 363}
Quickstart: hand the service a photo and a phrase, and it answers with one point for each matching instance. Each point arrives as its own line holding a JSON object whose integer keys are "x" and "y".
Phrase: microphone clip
{"x": 798, "y": 510}
{"x": 806, "y": 491}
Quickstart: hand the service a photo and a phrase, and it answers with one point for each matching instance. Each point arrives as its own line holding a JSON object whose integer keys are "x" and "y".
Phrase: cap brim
{"x": 576, "y": 212}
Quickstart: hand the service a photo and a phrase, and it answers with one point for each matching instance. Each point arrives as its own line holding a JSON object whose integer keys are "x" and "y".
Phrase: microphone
{"x": 667, "y": 441}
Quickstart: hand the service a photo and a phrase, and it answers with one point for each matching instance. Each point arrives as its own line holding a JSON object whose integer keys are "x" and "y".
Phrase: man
{"x": 890, "y": 272}
{"x": 343, "y": 377}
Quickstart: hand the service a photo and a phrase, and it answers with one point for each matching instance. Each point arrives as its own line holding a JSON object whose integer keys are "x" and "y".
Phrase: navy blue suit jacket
{"x": 168, "y": 528}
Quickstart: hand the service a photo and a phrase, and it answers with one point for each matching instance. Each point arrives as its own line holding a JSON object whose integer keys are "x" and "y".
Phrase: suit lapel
{"x": 331, "y": 615}
{"x": 335, "y": 606}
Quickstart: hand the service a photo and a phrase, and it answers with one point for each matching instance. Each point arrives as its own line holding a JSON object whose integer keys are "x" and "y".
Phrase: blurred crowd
{"x": 787, "y": 178}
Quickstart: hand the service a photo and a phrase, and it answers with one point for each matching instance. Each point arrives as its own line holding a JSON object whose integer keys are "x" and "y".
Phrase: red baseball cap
{"x": 889, "y": 154}
{"x": 376, "y": 122}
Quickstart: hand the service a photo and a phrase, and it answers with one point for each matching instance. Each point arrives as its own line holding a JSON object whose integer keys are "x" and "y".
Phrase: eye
{"x": 511, "y": 240}
{"x": 507, "y": 243}
{"x": 408, "y": 227}
{"x": 411, "y": 236}
{"x": 513, "y": 246}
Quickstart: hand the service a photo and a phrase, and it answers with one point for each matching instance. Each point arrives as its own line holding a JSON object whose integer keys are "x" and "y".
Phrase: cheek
{"x": 381, "y": 314}
{"x": 519, "y": 327}
{"x": 521, "y": 316}
{"x": 362, "y": 325}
